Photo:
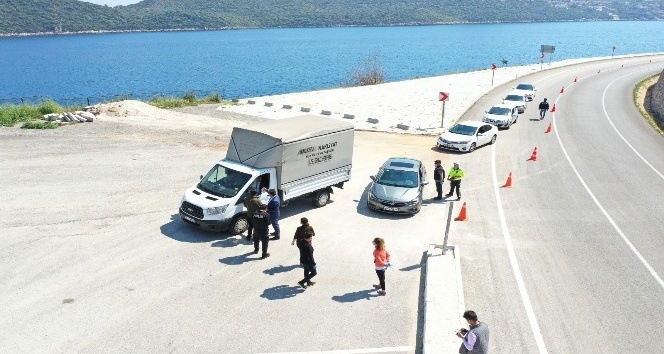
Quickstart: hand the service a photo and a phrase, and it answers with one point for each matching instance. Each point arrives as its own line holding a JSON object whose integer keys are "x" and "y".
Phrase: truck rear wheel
{"x": 321, "y": 198}
{"x": 238, "y": 225}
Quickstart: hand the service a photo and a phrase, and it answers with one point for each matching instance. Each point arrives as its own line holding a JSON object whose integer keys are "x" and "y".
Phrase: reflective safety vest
{"x": 455, "y": 174}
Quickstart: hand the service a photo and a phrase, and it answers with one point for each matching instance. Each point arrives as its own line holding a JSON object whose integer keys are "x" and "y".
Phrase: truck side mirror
{"x": 373, "y": 178}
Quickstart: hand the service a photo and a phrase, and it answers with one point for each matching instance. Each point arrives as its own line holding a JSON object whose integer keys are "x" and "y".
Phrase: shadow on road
{"x": 413, "y": 267}
{"x": 281, "y": 269}
{"x": 240, "y": 259}
{"x": 281, "y": 292}
{"x": 230, "y": 241}
{"x": 356, "y": 296}
{"x": 183, "y": 232}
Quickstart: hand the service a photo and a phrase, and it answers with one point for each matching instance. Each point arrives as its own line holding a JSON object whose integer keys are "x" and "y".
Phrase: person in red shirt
{"x": 381, "y": 262}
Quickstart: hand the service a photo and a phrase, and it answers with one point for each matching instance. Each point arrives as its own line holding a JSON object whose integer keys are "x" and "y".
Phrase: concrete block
{"x": 349, "y": 116}
{"x": 287, "y": 106}
{"x": 305, "y": 109}
{"x": 326, "y": 113}
{"x": 235, "y": 100}
{"x": 403, "y": 126}
{"x": 251, "y": 102}
{"x": 372, "y": 120}
{"x": 268, "y": 104}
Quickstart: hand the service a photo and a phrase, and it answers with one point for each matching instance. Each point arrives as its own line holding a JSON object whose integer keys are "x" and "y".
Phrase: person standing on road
{"x": 300, "y": 234}
{"x": 253, "y": 205}
{"x": 308, "y": 262}
{"x": 476, "y": 338}
{"x": 261, "y": 222}
{"x": 381, "y": 262}
{"x": 439, "y": 179}
{"x": 543, "y": 107}
{"x": 273, "y": 207}
{"x": 455, "y": 176}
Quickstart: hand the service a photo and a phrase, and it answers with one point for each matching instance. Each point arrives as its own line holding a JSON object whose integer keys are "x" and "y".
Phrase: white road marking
{"x": 606, "y": 114}
{"x": 355, "y": 351}
{"x": 601, "y": 208}
{"x": 537, "y": 334}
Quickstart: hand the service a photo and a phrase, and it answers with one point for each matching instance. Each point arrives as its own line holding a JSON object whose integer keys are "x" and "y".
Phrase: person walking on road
{"x": 308, "y": 262}
{"x": 261, "y": 222}
{"x": 273, "y": 207}
{"x": 252, "y": 204}
{"x": 439, "y": 179}
{"x": 455, "y": 176}
{"x": 543, "y": 107}
{"x": 381, "y": 262}
{"x": 300, "y": 234}
{"x": 476, "y": 338}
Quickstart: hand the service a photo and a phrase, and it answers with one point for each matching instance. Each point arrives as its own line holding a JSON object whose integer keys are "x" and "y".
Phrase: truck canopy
{"x": 298, "y": 147}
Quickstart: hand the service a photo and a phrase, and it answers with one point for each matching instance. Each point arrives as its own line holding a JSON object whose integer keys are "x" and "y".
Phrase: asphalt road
{"x": 575, "y": 263}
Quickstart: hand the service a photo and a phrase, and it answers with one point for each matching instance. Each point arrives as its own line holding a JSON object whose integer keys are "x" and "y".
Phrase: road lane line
{"x": 539, "y": 340}
{"x": 601, "y": 208}
{"x": 606, "y": 114}
{"x": 355, "y": 351}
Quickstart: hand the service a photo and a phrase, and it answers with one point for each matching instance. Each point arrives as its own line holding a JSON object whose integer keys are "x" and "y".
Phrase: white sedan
{"x": 501, "y": 115}
{"x": 516, "y": 100}
{"x": 467, "y": 136}
{"x": 527, "y": 90}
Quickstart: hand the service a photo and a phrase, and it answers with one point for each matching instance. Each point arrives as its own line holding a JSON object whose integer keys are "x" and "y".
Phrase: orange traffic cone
{"x": 508, "y": 183}
{"x": 575, "y": 79}
{"x": 548, "y": 129}
{"x": 533, "y": 156}
{"x": 553, "y": 109}
{"x": 562, "y": 90}
{"x": 462, "y": 213}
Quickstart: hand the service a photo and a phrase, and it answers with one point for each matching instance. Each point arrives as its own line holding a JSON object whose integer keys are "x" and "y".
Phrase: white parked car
{"x": 516, "y": 100}
{"x": 501, "y": 115}
{"x": 468, "y": 135}
{"x": 527, "y": 90}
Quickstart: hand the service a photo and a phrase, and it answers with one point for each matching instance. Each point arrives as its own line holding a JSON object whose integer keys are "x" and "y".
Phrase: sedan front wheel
{"x": 493, "y": 140}
{"x": 472, "y": 147}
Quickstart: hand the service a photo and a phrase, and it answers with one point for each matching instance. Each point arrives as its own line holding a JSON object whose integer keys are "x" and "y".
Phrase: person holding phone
{"x": 475, "y": 340}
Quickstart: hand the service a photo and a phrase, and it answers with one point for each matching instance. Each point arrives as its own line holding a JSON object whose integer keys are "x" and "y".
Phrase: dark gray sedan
{"x": 398, "y": 186}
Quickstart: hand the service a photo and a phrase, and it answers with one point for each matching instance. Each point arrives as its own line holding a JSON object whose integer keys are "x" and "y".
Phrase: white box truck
{"x": 299, "y": 157}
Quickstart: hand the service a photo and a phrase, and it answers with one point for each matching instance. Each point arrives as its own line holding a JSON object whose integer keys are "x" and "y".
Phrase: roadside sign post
{"x": 447, "y": 227}
{"x": 443, "y": 96}
{"x": 613, "y": 51}
{"x": 493, "y": 72}
{"x": 550, "y": 49}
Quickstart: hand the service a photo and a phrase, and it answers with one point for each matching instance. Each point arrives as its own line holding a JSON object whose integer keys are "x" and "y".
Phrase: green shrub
{"x": 367, "y": 72}
{"x": 213, "y": 98}
{"x": 12, "y": 114}
{"x": 190, "y": 97}
{"x": 49, "y": 107}
{"x": 35, "y": 124}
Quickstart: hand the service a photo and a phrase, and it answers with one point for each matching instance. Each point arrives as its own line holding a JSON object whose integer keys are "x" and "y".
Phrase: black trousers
{"x": 309, "y": 272}
{"x": 455, "y": 185}
{"x": 381, "y": 278}
{"x": 263, "y": 238}
{"x": 439, "y": 188}
{"x": 250, "y": 227}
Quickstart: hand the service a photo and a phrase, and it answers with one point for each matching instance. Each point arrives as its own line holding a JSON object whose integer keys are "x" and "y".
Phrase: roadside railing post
{"x": 447, "y": 227}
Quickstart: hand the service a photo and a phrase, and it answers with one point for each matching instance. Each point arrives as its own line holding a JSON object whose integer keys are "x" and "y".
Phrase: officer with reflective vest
{"x": 454, "y": 176}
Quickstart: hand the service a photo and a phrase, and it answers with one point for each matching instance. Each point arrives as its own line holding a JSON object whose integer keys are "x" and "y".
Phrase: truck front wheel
{"x": 321, "y": 198}
{"x": 238, "y": 225}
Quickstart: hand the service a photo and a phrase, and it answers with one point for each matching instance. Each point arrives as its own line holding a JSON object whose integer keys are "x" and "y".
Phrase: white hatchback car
{"x": 501, "y": 115}
{"x": 525, "y": 89}
{"x": 468, "y": 135}
{"x": 516, "y": 100}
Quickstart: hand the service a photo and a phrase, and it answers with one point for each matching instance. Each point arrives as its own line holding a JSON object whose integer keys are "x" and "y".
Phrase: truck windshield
{"x": 397, "y": 178}
{"x": 223, "y": 182}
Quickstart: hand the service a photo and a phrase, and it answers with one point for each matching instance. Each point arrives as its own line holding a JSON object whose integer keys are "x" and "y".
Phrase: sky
{"x": 113, "y": 2}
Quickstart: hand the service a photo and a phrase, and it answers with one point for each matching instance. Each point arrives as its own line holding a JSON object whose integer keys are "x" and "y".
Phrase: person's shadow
{"x": 281, "y": 292}
{"x": 280, "y": 269}
{"x": 237, "y": 260}
{"x": 231, "y": 242}
{"x": 355, "y": 296}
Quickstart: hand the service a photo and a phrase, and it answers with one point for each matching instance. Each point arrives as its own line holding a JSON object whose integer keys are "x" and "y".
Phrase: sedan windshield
{"x": 525, "y": 87}
{"x": 223, "y": 181}
{"x": 514, "y": 98}
{"x": 463, "y": 130}
{"x": 500, "y": 111}
{"x": 397, "y": 178}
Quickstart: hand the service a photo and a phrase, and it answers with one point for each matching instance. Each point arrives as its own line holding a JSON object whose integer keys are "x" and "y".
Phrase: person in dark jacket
{"x": 252, "y": 204}
{"x": 439, "y": 179}
{"x": 300, "y": 234}
{"x": 543, "y": 107}
{"x": 261, "y": 221}
{"x": 308, "y": 262}
{"x": 273, "y": 207}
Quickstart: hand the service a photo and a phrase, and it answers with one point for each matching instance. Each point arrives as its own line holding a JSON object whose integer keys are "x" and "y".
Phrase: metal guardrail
{"x": 96, "y": 99}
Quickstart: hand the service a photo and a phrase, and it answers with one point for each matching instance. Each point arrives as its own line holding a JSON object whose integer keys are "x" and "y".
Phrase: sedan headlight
{"x": 464, "y": 142}
{"x": 217, "y": 210}
{"x": 372, "y": 196}
{"x": 413, "y": 202}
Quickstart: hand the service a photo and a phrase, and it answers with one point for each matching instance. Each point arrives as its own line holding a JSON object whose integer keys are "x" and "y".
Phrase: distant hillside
{"x": 32, "y": 16}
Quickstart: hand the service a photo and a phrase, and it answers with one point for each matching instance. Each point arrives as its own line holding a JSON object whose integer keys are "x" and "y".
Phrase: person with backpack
{"x": 381, "y": 262}
{"x": 543, "y": 107}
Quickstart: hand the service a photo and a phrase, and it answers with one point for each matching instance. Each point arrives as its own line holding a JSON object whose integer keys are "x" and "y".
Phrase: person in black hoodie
{"x": 300, "y": 234}
{"x": 261, "y": 221}
{"x": 308, "y": 262}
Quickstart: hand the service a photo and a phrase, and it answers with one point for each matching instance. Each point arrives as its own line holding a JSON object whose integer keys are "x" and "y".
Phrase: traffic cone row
{"x": 548, "y": 129}
{"x": 575, "y": 79}
{"x": 462, "y": 214}
{"x": 533, "y": 156}
{"x": 508, "y": 183}
{"x": 562, "y": 90}
{"x": 553, "y": 109}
